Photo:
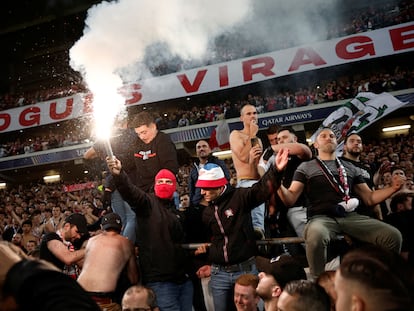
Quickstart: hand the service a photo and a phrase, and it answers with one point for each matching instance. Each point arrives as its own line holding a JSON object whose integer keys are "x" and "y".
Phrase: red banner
{"x": 362, "y": 46}
{"x": 78, "y": 187}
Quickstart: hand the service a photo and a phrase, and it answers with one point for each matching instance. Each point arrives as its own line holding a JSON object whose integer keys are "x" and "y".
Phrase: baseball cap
{"x": 111, "y": 221}
{"x": 211, "y": 176}
{"x": 283, "y": 268}
{"x": 79, "y": 221}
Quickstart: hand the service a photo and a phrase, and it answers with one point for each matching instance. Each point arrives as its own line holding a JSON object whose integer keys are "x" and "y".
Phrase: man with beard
{"x": 331, "y": 186}
{"x": 204, "y": 156}
{"x": 194, "y": 224}
{"x": 57, "y": 247}
{"x": 274, "y": 274}
{"x": 351, "y": 153}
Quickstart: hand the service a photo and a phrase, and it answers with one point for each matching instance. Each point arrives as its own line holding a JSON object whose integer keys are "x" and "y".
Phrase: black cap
{"x": 79, "y": 221}
{"x": 283, "y": 268}
{"x": 111, "y": 221}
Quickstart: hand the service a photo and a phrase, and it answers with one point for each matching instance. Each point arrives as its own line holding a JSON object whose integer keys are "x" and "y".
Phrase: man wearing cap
{"x": 162, "y": 260}
{"x": 229, "y": 221}
{"x": 193, "y": 216}
{"x": 107, "y": 255}
{"x": 204, "y": 156}
{"x": 56, "y": 247}
{"x": 274, "y": 274}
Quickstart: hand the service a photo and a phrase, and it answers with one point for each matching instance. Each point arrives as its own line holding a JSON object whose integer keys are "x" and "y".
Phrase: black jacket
{"x": 160, "y": 234}
{"x": 151, "y": 158}
{"x": 229, "y": 220}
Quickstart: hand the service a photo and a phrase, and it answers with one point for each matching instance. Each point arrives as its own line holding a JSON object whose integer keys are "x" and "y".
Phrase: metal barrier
{"x": 274, "y": 241}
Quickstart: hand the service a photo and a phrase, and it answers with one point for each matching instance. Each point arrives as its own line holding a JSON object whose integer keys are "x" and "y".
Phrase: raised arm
{"x": 129, "y": 192}
{"x": 371, "y": 197}
{"x": 291, "y": 195}
{"x": 301, "y": 150}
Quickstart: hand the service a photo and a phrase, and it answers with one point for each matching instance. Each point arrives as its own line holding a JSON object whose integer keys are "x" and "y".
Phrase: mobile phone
{"x": 254, "y": 141}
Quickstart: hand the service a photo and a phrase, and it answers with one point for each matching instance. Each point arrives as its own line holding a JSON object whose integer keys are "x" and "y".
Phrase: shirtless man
{"x": 106, "y": 256}
{"x": 246, "y": 150}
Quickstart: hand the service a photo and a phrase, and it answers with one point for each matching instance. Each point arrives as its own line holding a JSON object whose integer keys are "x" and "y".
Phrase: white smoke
{"x": 117, "y": 35}
{"x": 122, "y": 37}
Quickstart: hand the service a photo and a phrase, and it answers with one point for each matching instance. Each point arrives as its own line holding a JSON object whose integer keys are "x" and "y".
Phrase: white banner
{"x": 360, "y": 112}
{"x": 361, "y": 46}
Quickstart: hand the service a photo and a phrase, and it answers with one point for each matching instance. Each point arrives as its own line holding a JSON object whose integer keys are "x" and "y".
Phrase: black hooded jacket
{"x": 160, "y": 234}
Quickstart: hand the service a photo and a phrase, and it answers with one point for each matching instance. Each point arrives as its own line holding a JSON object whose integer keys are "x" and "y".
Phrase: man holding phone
{"x": 246, "y": 150}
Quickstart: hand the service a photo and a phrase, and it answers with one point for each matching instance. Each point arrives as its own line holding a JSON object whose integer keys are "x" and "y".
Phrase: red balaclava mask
{"x": 165, "y": 191}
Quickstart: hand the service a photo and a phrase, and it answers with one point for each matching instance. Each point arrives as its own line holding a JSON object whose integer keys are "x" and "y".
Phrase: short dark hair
{"x": 27, "y": 222}
{"x": 36, "y": 212}
{"x": 273, "y": 129}
{"x": 398, "y": 198}
{"x": 397, "y": 167}
{"x": 287, "y": 128}
{"x": 311, "y": 296}
{"x": 380, "y": 269}
{"x": 349, "y": 135}
{"x": 142, "y": 118}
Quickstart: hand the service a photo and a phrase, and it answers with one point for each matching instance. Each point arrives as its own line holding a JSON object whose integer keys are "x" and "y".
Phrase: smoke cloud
{"x": 124, "y": 40}
{"x": 118, "y": 34}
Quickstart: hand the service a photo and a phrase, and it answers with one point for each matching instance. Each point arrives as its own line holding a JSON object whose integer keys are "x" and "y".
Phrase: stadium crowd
{"x": 58, "y": 218}
{"x": 18, "y": 203}
{"x": 79, "y": 131}
{"x": 27, "y": 212}
{"x": 354, "y": 21}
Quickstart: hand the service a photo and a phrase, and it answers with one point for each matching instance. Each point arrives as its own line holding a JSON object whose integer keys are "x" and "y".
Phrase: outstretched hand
{"x": 114, "y": 165}
{"x": 282, "y": 159}
{"x": 398, "y": 181}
